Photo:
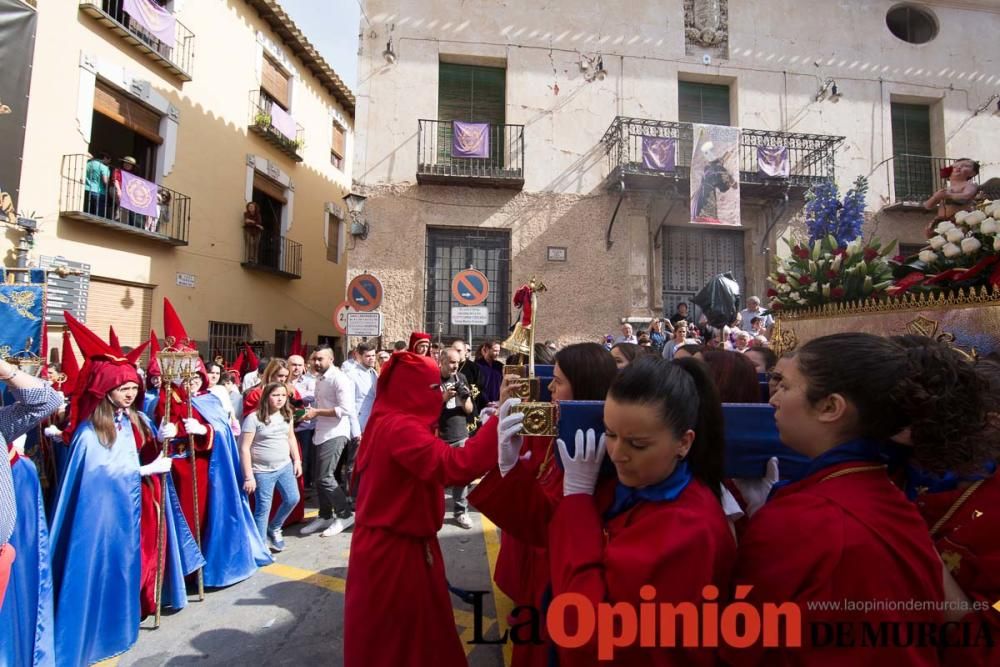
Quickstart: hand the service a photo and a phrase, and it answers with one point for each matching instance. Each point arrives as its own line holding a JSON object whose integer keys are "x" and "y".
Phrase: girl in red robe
{"x": 843, "y": 531}
{"x": 659, "y": 522}
{"x": 954, "y": 484}
{"x": 396, "y": 582}
{"x": 522, "y": 496}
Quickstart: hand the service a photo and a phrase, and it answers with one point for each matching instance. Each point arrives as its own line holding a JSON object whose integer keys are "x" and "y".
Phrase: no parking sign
{"x": 470, "y": 287}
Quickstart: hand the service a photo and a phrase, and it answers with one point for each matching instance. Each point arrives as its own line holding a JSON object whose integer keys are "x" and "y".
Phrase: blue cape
{"x": 233, "y": 549}
{"x": 26, "y": 615}
{"x": 96, "y": 550}
{"x": 149, "y": 401}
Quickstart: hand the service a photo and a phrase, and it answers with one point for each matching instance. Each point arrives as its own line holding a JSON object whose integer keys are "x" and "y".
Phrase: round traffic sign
{"x": 470, "y": 287}
{"x": 365, "y": 293}
{"x": 340, "y": 316}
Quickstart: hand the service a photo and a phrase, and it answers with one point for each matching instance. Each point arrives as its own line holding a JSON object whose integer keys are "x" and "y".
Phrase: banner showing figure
{"x": 715, "y": 175}
{"x": 658, "y": 153}
{"x": 773, "y": 161}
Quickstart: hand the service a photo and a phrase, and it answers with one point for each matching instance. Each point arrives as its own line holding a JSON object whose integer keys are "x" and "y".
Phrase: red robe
{"x": 849, "y": 537}
{"x": 149, "y": 449}
{"x": 677, "y": 546}
{"x": 397, "y": 610}
{"x": 522, "y": 504}
{"x": 969, "y": 544}
{"x": 181, "y": 469}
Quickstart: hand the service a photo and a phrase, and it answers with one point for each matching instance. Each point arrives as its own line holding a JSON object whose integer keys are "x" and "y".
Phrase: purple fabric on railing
{"x": 773, "y": 160}
{"x": 155, "y": 19}
{"x": 282, "y": 121}
{"x": 470, "y": 139}
{"x": 659, "y": 153}
{"x": 138, "y": 194}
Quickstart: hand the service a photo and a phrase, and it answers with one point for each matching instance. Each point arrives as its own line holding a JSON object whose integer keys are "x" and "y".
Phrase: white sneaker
{"x": 316, "y": 524}
{"x": 338, "y": 526}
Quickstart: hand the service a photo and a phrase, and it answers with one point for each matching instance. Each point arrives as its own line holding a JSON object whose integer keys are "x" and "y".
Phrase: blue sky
{"x": 332, "y": 27}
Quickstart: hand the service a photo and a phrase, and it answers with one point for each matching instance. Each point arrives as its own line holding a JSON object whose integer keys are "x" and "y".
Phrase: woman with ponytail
{"x": 659, "y": 522}
{"x": 838, "y": 400}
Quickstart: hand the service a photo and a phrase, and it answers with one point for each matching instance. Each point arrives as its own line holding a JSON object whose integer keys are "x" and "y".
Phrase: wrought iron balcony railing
{"x": 274, "y": 125}
{"x": 810, "y": 156}
{"x": 100, "y": 204}
{"x": 272, "y": 253}
{"x": 175, "y": 52}
{"x": 912, "y": 179}
{"x": 502, "y": 164}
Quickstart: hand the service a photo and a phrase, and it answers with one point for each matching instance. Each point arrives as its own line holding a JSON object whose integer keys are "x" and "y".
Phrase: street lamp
{"x": 355, "y": 207}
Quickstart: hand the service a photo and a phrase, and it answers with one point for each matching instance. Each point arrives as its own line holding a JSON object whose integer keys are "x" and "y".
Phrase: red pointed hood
{"x": 153, "y": 367}
{"x": 250, "y": 360}
{"x": 104, "y": 369}
{"x": 70, "y": 365}
{"x": 297, "y": 346}
{"x": 415, "y": 338}
{"x": 113, "y": 341}
{"x": 174, "y": 333}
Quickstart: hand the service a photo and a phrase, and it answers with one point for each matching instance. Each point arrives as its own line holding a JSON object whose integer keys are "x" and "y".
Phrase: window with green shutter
{"x": 703, "y": 103}
{"x": 911, "y": 149}
{"x": 473, "y": 94}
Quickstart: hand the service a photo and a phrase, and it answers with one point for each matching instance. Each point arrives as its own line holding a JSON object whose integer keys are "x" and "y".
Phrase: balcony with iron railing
{"x": 492, "y": 156}
{"x": 810, "y": 158}
{"x": 912, "y": 179}
{"x": 275, "y": 125}
{"x": 263, "y": 251}
{"x": 100, "y": 205}
{"x": 155, "y": 33}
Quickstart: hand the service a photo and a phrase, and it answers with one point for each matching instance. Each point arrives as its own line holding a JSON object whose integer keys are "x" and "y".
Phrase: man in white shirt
{"x": 305, "y": 384}
{"x": 753, "y": 310}
{"x": 365, "y": 377}
{"x": 252, "y": 379}
{"x": 628, "y": 335}
{"x": 332, "y": 410}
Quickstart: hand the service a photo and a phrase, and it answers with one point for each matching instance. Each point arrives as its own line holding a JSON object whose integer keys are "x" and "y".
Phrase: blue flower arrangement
{"x": 827, "y": 216}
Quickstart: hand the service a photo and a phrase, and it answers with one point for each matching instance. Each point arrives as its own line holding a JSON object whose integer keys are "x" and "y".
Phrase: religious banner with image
{"x": 138, "y": 194}
{"x": 470, "y": 139}
{"x": 773, "y": 161}
{"x": 715, "y": 175}
{"x": 155, "y": 19}
{"x": 22, "y": 317}
{"x": 659, "y": 153}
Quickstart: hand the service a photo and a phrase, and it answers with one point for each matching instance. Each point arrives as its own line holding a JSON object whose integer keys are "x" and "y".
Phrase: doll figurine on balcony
{"x": 960, "y": 194}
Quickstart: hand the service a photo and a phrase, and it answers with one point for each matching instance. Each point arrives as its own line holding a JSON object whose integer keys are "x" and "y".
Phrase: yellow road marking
{"x": 110, "y": 662}
{"x": 310, "y": 514}
{"x": 504, "y": 605}
{"x": 463, "y": 618}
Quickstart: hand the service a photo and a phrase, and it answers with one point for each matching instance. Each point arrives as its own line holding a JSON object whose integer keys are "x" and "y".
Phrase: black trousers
{"x": 332, "y": 498}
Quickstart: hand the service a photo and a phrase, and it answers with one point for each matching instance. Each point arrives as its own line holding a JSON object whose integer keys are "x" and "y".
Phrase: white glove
{"x": 730, "y": 505}
{"x": 194, "y": 427}
{"x": 157, "y": 467}
{"x": 485, "y": 414}
{"x": 755, "y": 491}
{"x": 580, "y": 472}
{"x": 167, "y": 431}
{"x": 509, "y": 438}
{"x": 52, "y": 432}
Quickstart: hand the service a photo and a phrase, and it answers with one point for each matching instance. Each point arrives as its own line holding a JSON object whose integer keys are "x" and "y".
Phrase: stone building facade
{"x": 567, "y": 91}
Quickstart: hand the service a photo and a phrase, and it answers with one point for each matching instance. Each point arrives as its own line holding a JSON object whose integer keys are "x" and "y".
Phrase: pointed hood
{"x": 104, "y": 368}
{"x": 250, "y": 360}
{"x": 297, "y": 346}
{"x": 174, "y": 333}
{"x": 415, "y": 338}
{"x": 153, "y": 367}
{"x": 113, "y": 341}
{"x": 135, "y": 353}
{"x": 70, "y": 365}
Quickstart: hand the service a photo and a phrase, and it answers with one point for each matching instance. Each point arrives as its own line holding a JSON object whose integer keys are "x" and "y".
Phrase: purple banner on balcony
{"x": 282, "y": 121}
{"x": 773, "y": 161}
{"x": 659, "y": 153}
{"x": 155, "y": 19}
{"x": 138, "y": 194}
{"x": 470, "y": 139}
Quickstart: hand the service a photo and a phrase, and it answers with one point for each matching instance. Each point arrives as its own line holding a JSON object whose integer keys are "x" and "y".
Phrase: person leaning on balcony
{"x": 252, "y": 228}
{"x": 958, "y": 196}
{"x": 96, "y": 179}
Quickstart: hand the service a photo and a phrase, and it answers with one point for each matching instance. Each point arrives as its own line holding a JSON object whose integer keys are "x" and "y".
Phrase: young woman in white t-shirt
{"x": 269, "y": 455}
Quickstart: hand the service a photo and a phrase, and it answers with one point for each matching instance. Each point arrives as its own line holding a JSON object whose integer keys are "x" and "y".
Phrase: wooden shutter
{"x": 339, "y": 141}
{"x": 333, "y": 224}
{"x": 911, "y": 129}
{"x": 472, "y": 93}
{"x": 274, "y": 82}
{"x": 272, "y": 189}
{"x": 127, "y": 111}
{"x": 127, "y": 307}
{"x": 703, "y": 103}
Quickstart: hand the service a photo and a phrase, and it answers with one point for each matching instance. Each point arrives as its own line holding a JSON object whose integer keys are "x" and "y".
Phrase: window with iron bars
{"x": 452, "y": 250}
{"x": 226, "y": 339}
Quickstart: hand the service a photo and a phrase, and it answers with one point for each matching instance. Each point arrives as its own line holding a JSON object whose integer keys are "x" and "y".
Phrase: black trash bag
{"x": 719, "y": 299}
